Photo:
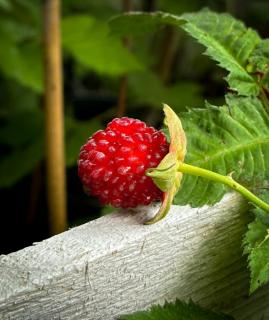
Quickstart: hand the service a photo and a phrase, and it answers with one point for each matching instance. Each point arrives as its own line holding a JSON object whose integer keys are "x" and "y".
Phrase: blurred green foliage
{"x": 162, "y": 66}
{"x": 90, "y": 43}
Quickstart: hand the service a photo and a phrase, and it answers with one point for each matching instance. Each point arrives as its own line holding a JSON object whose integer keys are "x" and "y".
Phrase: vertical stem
{"x": 56, "y": 180}
{"x": 167, "y": 57}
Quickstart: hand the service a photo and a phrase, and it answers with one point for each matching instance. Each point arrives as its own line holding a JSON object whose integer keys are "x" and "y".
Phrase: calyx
{"x": 167, "y": 176}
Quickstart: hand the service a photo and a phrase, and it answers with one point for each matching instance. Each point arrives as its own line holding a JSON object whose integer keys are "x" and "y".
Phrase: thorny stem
{"x": 227, "y": 180}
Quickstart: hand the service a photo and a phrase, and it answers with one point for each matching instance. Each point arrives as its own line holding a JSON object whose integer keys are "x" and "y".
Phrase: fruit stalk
{"x": 227, "y": 180}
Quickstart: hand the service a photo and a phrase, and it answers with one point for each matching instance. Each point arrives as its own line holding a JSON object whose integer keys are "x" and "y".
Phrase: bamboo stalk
{"x": 55, "y": 163}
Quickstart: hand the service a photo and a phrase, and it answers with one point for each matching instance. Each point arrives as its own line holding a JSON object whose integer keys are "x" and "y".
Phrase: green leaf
{"x": 5, "y": 4}
{"x": 260, "y": 56}
{"x": 89, "y": 41}
{"x": 256, "y": 233}
{"x": 137, "y": 23}
{"x": 256, "y": 245}
{"x": 16, "y": 31}
{"x": 21, "y": 127}
{"x": 76, "y": 134}
{"x": 229, "y": 42}
{"x": 21, "y": 61}
{"x": 23, "y": 135}
{"x": 259, "y": 63}
{"x": 29, "y": 55}
{"x": 176, "y": 311}
{"x": 20, "y": 52}
{"x": 229, "y": 139}
{"x": 20, "y": 162}
{"x": 16, "y": 99}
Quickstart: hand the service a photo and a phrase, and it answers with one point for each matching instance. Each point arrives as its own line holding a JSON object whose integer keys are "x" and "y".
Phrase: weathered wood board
{"x": 116, "y": 265}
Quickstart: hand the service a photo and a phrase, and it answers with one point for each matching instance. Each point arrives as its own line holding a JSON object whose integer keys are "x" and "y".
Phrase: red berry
{"x": 113, "y": 162}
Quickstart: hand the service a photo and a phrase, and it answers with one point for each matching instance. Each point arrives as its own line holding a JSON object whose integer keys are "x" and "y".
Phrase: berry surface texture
{"x": 113, "y": 162}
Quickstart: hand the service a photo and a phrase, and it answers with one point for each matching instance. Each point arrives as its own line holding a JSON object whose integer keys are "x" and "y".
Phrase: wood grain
{"x": 116, "y": 265}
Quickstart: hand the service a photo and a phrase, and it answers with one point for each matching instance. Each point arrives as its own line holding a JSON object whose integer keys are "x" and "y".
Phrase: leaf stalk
{"x": 227, "y": 180}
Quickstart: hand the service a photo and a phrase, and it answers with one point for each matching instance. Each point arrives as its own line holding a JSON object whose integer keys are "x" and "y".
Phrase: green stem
{"x": 227, "y": 180}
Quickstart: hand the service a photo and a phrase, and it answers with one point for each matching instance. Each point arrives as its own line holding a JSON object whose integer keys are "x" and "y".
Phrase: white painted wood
{"x": 116, "y": 265}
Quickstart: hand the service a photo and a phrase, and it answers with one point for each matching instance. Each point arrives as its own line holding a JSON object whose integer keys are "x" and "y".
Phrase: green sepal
{"x": 165, "y": 207}
{"x": 178, "y": 142}
{"x": 166, "y": 176}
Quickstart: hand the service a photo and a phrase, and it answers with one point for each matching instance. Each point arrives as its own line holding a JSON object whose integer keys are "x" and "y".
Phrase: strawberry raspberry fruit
{"x": 113, "y": 162}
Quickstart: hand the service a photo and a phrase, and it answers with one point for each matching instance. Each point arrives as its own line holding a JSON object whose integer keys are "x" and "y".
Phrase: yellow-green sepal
{"x": 166, "y": 176}
{"x": 165, "y": 207}
{"x": 178, "y": 141}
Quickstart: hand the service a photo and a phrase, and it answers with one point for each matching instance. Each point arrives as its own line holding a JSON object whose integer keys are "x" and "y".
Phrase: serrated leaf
{"x": 254, "y": 236}
{"x": 176, "y": 311}
{"x": 260, "y": 56}
{"x": 89, "y": 41}
{"x": 259, "y": 265}
{"x": 229, "y": 139}
{"x": 256, "y": 246}
{"x": 229, "y": 42}
{"x": 259, "y": 62}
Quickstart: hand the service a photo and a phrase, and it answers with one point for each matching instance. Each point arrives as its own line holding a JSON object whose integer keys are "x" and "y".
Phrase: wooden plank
{"x": 116, "y": 265}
